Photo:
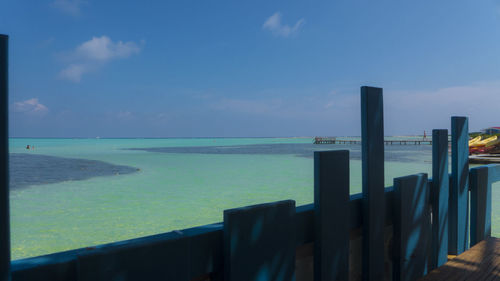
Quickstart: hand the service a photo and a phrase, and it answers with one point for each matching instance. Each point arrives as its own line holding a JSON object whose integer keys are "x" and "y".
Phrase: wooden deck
{"x": 481, "y": 262}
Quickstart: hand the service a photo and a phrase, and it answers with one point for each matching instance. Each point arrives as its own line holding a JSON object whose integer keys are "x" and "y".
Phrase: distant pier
{"x": 334, "y": 140}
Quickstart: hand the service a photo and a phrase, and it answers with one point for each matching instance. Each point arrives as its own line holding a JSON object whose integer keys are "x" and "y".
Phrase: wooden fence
{"x": 396, "y": 233}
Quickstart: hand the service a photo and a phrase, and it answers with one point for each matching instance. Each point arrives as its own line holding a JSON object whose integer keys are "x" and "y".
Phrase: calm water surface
{"x": 72, "y": 193}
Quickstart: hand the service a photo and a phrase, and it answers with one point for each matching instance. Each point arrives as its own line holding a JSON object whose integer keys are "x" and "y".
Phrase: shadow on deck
{"x": 481, "y": 262}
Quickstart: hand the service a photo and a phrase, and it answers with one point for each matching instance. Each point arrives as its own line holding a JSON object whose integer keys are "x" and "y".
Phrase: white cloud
{"x": 103, "y": 49}
{"x": 274, "y": 24}
{"x": 30, "y": 106}
{"x": 74, "y": 72}
{"x": 93, "y": 54}
{"x": 71, "y": 7}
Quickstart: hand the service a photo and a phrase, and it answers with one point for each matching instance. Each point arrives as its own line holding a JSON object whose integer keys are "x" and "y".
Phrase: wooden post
{"x": 4, "y": 161}
{"x": 331, "y": 214}
{"x": 372, "y": 148}
{"x": 412, "y": 227}
{"x": 459, "y": 189}
{"x": 480, "y": 209}
{"x": 259, "y": 242}
{"x": 439, "y": 197}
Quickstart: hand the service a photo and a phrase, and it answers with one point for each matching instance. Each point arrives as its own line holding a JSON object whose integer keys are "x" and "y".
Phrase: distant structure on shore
{"x": 492, "y": 130}
{"x": 334, "y": 140}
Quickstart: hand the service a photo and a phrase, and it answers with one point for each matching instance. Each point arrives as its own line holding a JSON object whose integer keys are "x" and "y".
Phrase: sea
{"x": 74, "y": 193}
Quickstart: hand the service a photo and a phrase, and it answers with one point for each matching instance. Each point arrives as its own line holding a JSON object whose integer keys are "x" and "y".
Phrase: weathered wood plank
{"x": 205, "y": 250}
{"x": 151, "y": 258}
{"x": 439, "y": 197}
{"x": 481, "y": 262}
{"x": 259, "y": 242}
{"x": 459, "y": 195}
{"x": 4, "y": 161}
{"x": 480, "y": 219}
{"x": 412, "y": 227}
{"x": 372, "y": 148}
{"x": 331, "y": 201}
{"x": 493, "y": 172}
{"x": 55, "y": 267}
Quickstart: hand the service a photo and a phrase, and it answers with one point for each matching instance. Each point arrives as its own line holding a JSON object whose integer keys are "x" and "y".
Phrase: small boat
{"x": 492, "y": 143}
{"x": 474, "y": 140}
{"x": 484, "y": 142}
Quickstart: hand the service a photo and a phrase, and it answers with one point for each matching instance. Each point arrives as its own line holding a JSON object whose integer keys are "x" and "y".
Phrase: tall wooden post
{"x": 372, "y": 148}
{"x": 4, "y": 162}
{"x": 459, "y": 189}
{"x": 439, "y": 197}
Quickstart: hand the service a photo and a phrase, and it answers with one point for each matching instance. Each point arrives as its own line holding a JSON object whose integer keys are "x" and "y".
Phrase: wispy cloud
{"x": 103, "y": 49}
{"x": 405, "y": 111}
{"x": 433, "y": 108}
{"x": 274, "y": 24}
{"x": 70, "y": 7}
{"x": 311, "y": 107}
{"x": 125, "y": 115}
{"x": 74, "y": 72}
{"x": 248, "y": 106}
{"x": 30, "y": 106}
{"x": 46, "y": 43}
{"x": 92, "y": 54}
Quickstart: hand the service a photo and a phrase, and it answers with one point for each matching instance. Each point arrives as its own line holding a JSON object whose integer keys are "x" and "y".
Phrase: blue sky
{"x": 247, "y": 68}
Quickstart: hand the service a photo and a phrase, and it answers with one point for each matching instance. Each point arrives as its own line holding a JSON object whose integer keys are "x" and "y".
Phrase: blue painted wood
{"x": 459, "y": 195}
{"x": 331, "y": 213}
{"x": 480, "y": 209}
{"x": 4, "y": 161}
{"x": 372, "y": 148}
{"x": 412, "y": 227}
{"x": 493, "y": 172}
{"x": 54, "y": 267}
{"x": 151, "y": 258}
{"x": 203, "y": 256}
{"x": 439, "y": 197}
{"x": 259, "y": 242}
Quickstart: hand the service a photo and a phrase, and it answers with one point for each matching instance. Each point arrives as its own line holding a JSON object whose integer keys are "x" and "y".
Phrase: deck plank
{"x": 481, "y": 262}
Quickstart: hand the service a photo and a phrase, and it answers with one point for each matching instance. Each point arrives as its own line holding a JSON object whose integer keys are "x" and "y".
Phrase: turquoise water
{"x": 188, "y": 182}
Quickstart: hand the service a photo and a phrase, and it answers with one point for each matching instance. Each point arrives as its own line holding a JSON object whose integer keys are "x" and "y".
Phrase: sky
{"x": 88, "y": 68}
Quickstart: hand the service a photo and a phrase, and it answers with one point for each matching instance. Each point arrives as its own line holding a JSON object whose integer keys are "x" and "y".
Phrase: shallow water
{"x": 171, "y": 184}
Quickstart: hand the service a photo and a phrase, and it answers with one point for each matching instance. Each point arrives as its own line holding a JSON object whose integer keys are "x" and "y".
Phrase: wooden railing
{"x": 379, "y": 234}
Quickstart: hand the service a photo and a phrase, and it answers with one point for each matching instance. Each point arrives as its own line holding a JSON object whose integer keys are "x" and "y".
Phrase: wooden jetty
{"x": 378, "y": 234}
{"x": 334, "y": 140}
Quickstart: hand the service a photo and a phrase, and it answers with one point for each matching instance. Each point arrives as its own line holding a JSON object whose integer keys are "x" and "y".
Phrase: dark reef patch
{"x": 399, "y": 153}
{"x": 34, "y": 169}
